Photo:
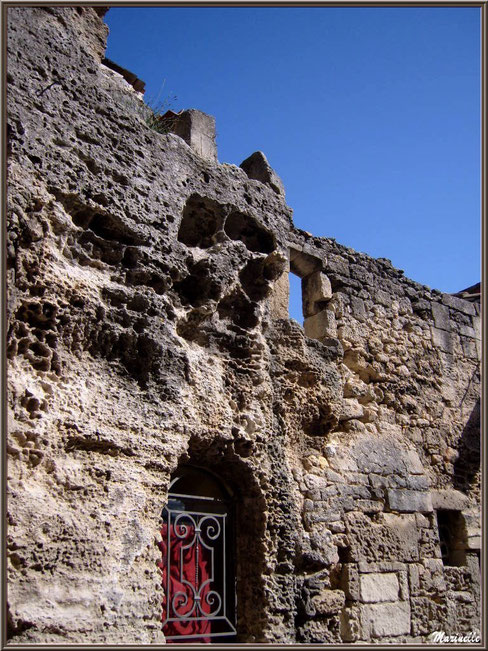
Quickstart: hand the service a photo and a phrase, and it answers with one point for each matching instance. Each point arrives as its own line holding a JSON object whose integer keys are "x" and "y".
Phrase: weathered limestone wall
{"x": 148, "y": 327}
{"x": 404, "y": 444}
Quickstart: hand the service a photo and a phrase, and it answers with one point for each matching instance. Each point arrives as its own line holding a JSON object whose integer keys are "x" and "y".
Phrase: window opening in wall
{"x": 452, "y": 537}
{"x": 198, "y": 561}
{"x": 310, "y": 291}
{"x": 295, "y": 309}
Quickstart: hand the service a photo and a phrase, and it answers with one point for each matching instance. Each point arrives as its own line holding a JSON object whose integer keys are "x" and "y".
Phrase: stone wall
{"x": 148, "y": 328}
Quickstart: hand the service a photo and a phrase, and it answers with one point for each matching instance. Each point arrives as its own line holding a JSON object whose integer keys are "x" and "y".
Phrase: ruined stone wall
{"x": 147, "y": 293}
{"x": 404, "y": 444}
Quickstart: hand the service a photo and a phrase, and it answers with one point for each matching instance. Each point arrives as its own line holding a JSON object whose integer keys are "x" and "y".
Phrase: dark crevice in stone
{"x": 200, "y": 286}
{"x": 89, "y": 444}
{"x": 239, "y": 226}
{"x": 202, "y": 219}
{"x": 239, "y": 310}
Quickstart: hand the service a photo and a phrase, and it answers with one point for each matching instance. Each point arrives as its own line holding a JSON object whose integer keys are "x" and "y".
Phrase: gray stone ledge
{"x": 409, "y": 501}
{"x": 449, "y": 499}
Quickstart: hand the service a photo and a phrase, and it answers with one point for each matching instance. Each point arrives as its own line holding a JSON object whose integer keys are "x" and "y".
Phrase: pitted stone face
{"x": 240, "y": 226}
{"x": 201, "y": 223}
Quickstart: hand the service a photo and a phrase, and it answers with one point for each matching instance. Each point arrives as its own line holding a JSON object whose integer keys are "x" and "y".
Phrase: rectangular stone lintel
{"x": 449, "y": 499}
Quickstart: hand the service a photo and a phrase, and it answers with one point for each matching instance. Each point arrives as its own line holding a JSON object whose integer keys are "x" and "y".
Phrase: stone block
{"x": 258, "y": 168}
{"x": 350, "y": 408}
{"x": 333, "y": 476}
{"x": 417, "y": 482}
{"x": 375, "y": 588}
{"x": 358, "y": 308}
{"x": 369, "y": 506}
{"x": 337, "y": 527}
{"x": 198, "y": 130}
{"x": 409, "y": 501}
{"x": 414, "y": 578}
{"x": 477, "y": 326}
{"x": 442, "y": 339}
{"x": 314, "y": 481}
{"x": 459, "y": 304}
{"x": 337, "y": 264}
{"x": 350, "y": 581}
{"x": 388, "y": 619}
{"x": 383, "y": 298}
{"x": 377, "y": 481}
{"x": 316, "y": 289}
{"x": 474, "y": 542}
{"x": 321, "y": 325}
{"x": 470, "y": 349}
{"x": 449, "y": 499}
{"x": 403, "y": 584}
{"x": 422, "y": 521}
{"x": 479, "y": 348}
{"x": 329, "y": 602}
{"x": 404, "y": 306}
{"x": 359, "y": 273}
{"x": 381, "y": 567}
{"x": 441, "y": 316}
{"x": 467, "y": 331}
{"x": 350, "y": 624}
{"x": 422, "y": 307}
{"x": 412, "y": 462}
{"x": 280, "y": 297}
{"x": 343, "y": 461}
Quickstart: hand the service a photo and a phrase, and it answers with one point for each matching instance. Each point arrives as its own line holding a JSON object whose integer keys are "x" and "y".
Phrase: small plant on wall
{"x": 157, "y": 112}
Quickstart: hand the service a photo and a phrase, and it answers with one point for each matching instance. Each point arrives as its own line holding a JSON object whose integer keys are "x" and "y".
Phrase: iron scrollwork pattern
{"x": 195, "y": 573}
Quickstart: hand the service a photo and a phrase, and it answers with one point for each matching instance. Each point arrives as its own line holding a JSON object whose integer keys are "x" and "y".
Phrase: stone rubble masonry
{"x": 148, "y": 328}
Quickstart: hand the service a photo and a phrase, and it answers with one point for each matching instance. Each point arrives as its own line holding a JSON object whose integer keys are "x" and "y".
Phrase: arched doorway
{"x": 198, "y": 559}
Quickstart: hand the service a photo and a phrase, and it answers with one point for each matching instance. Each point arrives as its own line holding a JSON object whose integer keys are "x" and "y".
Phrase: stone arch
{"x": 248, "y": 537}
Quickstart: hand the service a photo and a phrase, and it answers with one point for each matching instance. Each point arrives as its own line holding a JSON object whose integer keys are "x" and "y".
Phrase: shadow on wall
{"x": 467, "y": 464}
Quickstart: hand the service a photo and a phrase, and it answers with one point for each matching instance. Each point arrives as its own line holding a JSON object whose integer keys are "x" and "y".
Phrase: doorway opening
{"x": 452, "y": 537}
{"x": 198, "y": 564}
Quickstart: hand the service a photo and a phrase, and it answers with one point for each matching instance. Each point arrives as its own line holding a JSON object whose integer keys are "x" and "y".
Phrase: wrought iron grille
{"x": 199, "y": 602}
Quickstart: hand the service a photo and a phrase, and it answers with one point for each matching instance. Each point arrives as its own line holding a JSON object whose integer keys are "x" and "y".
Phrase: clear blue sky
{"x": 371, "y": 116}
